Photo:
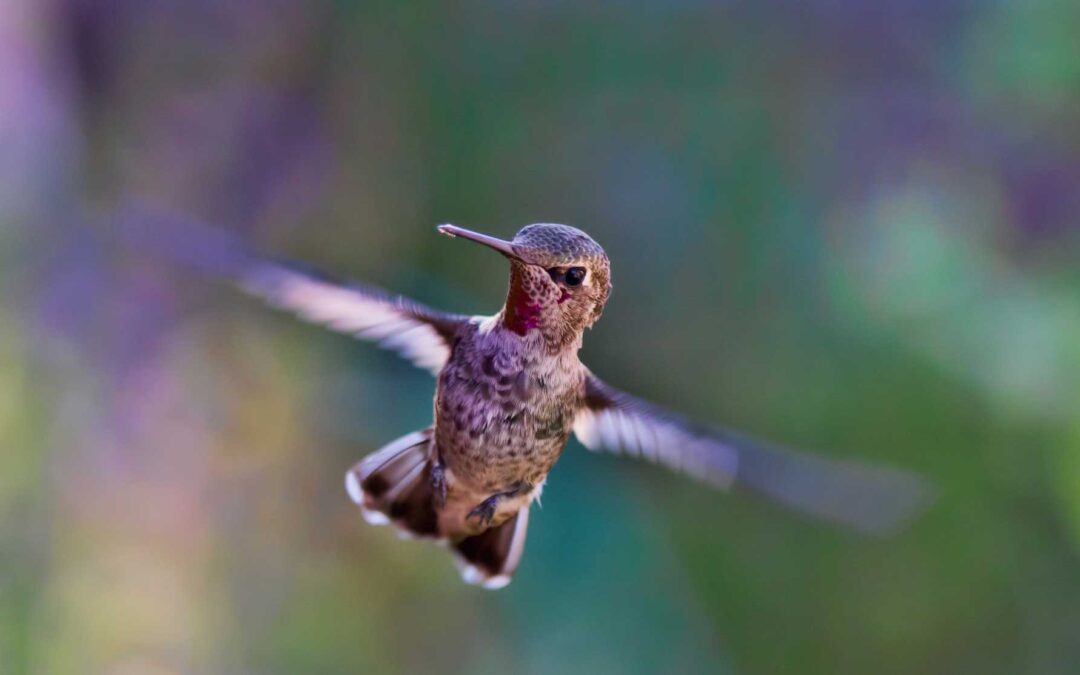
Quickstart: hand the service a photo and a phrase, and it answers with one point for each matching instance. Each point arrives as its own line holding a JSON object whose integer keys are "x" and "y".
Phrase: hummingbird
{"x": 510, "y": 392}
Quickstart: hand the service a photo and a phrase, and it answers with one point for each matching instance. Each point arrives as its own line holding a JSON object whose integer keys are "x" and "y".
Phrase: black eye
{"x": 575, "y": 275}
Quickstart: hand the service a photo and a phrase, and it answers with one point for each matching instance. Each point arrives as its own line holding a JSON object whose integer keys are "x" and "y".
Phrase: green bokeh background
{"x": 842, "y": 226}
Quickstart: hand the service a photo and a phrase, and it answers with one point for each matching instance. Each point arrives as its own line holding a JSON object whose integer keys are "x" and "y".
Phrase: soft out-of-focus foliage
{"x": 851, "y": 227}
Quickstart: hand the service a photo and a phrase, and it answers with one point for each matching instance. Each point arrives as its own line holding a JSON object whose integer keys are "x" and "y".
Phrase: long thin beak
{"x": 500, "y": 245}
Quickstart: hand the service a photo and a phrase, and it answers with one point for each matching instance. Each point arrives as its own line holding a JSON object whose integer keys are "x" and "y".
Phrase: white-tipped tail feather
{"x": 490, "y": 559}
{"x": 393, "y": 486}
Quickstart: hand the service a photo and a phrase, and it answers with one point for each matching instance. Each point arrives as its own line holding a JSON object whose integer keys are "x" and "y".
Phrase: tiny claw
{"x": 438, "y": 484}
{"x": 484, "y": 512}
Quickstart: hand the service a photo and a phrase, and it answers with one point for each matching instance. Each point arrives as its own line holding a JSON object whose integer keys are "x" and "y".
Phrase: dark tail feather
{"x": 394, "y": 485}
{"x": 490, "y": 559}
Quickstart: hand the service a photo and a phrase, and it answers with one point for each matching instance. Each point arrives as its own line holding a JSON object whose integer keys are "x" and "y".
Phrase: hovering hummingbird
{"x": 511, "y": 390}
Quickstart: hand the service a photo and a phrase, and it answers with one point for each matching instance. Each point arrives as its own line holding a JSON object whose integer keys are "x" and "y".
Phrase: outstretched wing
{"x": 422, "y": 335}
{"x": 419, "y": 333}
{"x": 872, "y": 499}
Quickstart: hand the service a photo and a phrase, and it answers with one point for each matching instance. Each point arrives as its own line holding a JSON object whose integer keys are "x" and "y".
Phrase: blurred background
{"x": 848, "y": 227}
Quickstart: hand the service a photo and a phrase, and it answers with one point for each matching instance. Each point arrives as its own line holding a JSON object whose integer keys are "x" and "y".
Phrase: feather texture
{"x": 422, "y": 335}
{"x": 871, "y": 499}
{"x": 419, "y": 333}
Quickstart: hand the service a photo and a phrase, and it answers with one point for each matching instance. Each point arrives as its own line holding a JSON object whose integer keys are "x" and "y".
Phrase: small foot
{"x": 438, "y": 483}
{"x": 485, "y": 511}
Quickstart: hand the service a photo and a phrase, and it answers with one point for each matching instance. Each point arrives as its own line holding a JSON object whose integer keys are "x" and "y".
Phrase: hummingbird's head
{"x": 560, "y": 279}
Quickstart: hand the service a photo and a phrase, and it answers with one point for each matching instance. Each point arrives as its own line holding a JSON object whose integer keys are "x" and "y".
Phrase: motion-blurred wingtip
{"x": 899, "y": 502}
{"x": 920, "y": 497}
{"x": 179, "y": 239}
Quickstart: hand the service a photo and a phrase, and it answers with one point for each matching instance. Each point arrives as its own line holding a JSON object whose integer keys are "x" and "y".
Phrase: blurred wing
{"x": 421, "y": 334}
{"x": 871, "y": 499}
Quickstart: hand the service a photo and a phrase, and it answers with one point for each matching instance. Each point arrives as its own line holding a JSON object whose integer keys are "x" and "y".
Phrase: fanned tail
{"x": 490, "y": 558}
{"x": 393, "y": 485}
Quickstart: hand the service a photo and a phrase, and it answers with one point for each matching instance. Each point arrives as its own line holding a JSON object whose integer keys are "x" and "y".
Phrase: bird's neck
{"x": 532, "y": 311}
{"x": 523, "y": 309}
